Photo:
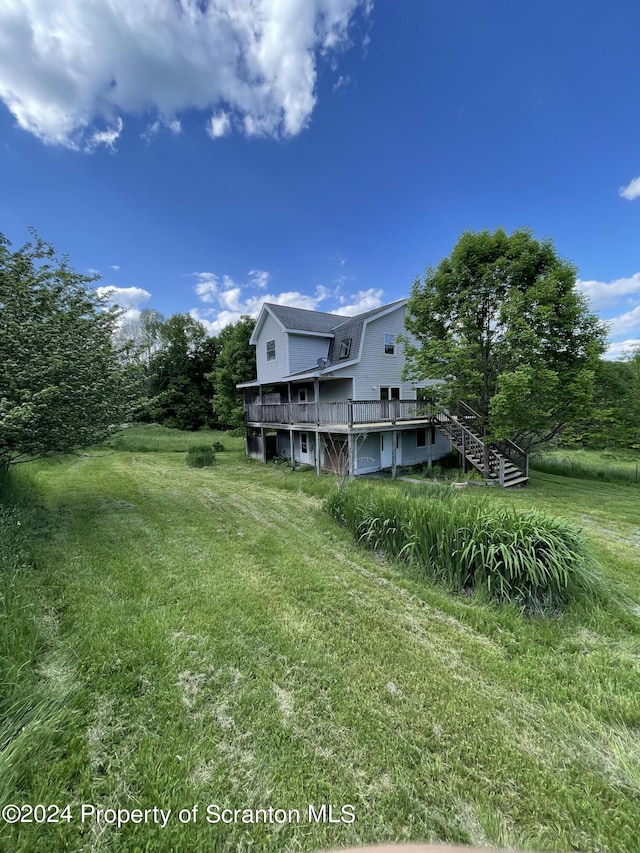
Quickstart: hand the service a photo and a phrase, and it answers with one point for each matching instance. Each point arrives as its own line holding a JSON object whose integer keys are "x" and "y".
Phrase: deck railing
{"x": 345, "y": 412}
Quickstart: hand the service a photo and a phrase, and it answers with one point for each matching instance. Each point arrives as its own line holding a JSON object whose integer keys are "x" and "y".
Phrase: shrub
{"x": 201, "y": 456}
{"x": 525, "y": 557}
{"x": 218, "y": 446}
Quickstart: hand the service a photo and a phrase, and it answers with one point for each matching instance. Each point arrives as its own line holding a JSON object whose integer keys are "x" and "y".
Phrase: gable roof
{"x": 302, "y": 320}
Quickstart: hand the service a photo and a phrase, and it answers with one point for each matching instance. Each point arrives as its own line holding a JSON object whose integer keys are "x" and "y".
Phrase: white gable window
{"x": 271, "y": 350}
{"x": 389, "y": 345}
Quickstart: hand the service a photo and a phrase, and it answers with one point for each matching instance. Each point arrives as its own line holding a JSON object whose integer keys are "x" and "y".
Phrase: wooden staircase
{"x": 502, "y": 462}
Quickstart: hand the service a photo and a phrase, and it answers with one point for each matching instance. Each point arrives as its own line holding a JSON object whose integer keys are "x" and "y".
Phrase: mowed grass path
{"x": 222, "y": 641}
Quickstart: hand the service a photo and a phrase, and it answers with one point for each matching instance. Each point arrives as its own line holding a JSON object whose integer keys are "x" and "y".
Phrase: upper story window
{"x": 271, "y": 350}
{"x": 345, "y": 348}
{"x": 389, "y": 345}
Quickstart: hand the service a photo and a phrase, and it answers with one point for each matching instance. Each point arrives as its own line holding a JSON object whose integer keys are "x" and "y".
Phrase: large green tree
{"x": 177, "y": 357}
{"x": 614, "y": 419}
{"x": 236, "y": 362}
{"x": 500, "y": 321}
{"x": 62, "y": 384}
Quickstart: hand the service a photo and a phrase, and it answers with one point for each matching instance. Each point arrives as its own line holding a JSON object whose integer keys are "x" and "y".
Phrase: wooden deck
{"x": 339, "y": 416}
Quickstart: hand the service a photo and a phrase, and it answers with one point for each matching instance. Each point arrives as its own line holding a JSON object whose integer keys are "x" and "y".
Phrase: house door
{"x": 385, "y": 449}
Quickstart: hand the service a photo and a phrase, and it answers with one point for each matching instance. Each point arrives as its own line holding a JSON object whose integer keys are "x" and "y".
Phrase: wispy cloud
{"x": 625, "y": 324}
{"x": 219, "y": 125}
{"x": 124, "y": 296}
{"x": 604, "y": 294}
{"x": 621, "y": 349}
{"x": 364, "y": 300}
{"x": 114, "y": 267}
{"x": 632, "y": 190}
{"x": 71, "y": 72}
{"x": 226, "y": 300}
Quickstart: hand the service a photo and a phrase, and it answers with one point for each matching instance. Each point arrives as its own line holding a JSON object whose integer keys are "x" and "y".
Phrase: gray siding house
{"x": 329, "y": 393}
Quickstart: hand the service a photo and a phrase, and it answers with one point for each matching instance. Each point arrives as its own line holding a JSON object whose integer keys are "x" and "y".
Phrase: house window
{"x": 345, "y": 348}
{"x": 387, "y": 393}
{"x": 421, "y": 436}
{"x": 389, "y": 345}
{"x": 304, "y": 442}
{"x": 302, "y": 395}
{"x": 271, "y": 350}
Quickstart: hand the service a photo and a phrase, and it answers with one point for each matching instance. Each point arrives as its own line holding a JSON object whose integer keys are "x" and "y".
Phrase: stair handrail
{"x": 471, "y": 441}
{"x": 465, "y": 411}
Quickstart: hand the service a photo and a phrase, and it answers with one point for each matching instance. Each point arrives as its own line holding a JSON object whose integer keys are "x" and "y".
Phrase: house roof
{"x": 302, "y": 320}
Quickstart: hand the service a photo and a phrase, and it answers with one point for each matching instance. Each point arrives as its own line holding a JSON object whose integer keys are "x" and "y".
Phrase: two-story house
{"x": 329, "y": 392}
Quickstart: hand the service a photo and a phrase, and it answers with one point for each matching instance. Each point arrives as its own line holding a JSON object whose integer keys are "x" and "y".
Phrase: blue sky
{"x": 208, "y": 155}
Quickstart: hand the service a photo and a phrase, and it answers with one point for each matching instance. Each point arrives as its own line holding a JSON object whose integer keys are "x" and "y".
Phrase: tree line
{"x": 187, "y": 378}
{"x": 499, "y": 322}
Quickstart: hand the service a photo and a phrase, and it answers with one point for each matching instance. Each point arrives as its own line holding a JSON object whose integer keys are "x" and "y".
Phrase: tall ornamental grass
{"x": 528, "y": 558}
{"x": 201, "y": 456}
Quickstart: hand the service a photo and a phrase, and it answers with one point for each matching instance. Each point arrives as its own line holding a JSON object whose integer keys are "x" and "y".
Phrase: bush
{"x": 525, "y": 557}
{"x": 218, "y": 446}
{"x": 201, "y": 456}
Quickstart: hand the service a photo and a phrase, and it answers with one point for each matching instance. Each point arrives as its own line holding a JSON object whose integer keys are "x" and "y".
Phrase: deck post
{"x": 292, "y": 458}
{"x": 394, "y": 467}
{"x": 263, "y": 442}
{"x": 502, "y": 471}
{"x": 352, "y": 466}
{"x": 350, "y": 412}
{"x": 316, "y": 398}
{"x": 318, "y": 454}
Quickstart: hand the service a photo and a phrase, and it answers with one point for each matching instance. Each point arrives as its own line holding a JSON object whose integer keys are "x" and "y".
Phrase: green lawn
{"x": 610, "y": 465}
{"x": 210, "y": 636}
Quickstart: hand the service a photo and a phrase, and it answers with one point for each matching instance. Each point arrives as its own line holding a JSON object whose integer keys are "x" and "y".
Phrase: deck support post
{"x": 292, "y": 458}
{"x": 316, "y": 398}
{"x": 394, "y": 467}
{"x": 263, "y": 442}
{"x": 352, "y": 466}
{"x": 318, "y": 453}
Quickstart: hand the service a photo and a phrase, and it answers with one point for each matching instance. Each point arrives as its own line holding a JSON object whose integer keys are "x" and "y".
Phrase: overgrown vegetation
{"x": 153, "y": 438}
{"x": 527, "y": 558}
{"x": 201, "y": 456}
{"x": 617, "y": 466}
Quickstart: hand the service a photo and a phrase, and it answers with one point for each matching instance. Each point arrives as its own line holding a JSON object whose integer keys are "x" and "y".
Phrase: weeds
{"x": 527, "y": 558}
{"x": 201, "y": 456}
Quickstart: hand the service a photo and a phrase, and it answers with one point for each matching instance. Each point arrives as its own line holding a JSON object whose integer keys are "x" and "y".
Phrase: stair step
{"x": 519, "y": 481}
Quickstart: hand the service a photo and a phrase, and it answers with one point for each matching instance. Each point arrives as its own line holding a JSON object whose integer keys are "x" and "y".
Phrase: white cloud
{"x": 625, "y": 324}
{"x": 365, "y": 300}
{"x": 70, "y": 72}
{"x": 125, "y": 296}
{"x": 632, "y": 190}
{"x": 93, "y": 271}
{"x": 621, "y": 349}
{"x": 114, "y": 267}
{"x": 227, "y": 300}
{"x": 259, "y": 278}
{"x": 108, "y": 138}
{"x": 603, "y": 294}
{"x": 219, "y": 125}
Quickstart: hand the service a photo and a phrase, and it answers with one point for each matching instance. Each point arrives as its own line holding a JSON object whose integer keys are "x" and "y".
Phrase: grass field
{"x": 608, "y": 465}
{"x": 211, "y": 636}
